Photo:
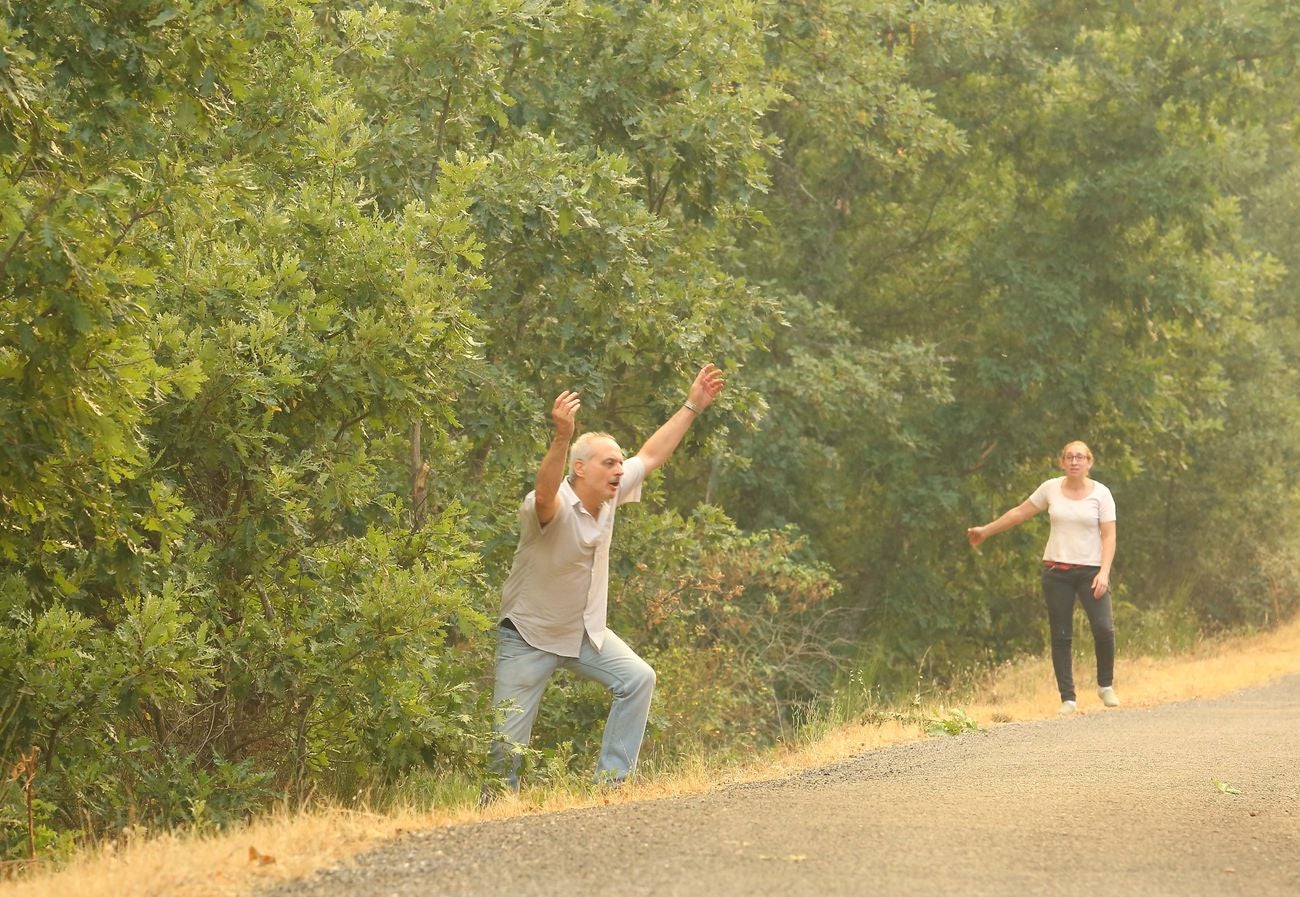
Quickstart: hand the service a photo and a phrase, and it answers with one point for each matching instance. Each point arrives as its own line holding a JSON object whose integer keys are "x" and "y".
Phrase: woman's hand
{"x": 1100, "y": 585}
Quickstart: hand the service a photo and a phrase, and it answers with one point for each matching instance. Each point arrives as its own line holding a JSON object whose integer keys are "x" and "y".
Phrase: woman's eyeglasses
{"x": 1076, "y": 457}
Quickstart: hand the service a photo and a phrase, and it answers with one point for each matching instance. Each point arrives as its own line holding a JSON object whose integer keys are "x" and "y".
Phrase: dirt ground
{"x": 1192, "y": 798}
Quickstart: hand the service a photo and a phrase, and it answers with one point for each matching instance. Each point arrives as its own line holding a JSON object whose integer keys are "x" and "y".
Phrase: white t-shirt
{"x": 1076, "y": 523}
{"x": 558, "y": 587}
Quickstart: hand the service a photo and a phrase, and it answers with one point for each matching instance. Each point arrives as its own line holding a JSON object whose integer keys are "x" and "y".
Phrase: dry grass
{"x": 283, "y": 845}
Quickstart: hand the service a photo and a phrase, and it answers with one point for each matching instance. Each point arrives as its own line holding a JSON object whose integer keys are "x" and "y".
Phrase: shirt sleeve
{"x": 629, "y": 488}
{"x": 529, "y": 525}
{"x": 1106, "y": 503}
{"x": 1040, "y": 498}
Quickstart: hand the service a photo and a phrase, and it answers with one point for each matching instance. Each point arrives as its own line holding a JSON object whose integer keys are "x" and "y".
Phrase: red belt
{"x": 1057, "y": 565}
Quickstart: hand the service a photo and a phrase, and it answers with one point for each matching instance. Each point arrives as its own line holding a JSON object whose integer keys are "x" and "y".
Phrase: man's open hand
{"x": 708, "y": 383}
{"x": 565, "y": 413}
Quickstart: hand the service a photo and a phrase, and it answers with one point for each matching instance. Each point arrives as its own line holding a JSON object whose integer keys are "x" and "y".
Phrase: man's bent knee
{"x": 641, "y": 678}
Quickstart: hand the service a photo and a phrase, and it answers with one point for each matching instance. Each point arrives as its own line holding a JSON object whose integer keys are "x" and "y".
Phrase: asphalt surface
{"x": 1187, "y": 799}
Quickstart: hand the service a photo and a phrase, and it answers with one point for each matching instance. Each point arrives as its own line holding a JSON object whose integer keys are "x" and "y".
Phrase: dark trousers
{"x": 1060, "y": 589}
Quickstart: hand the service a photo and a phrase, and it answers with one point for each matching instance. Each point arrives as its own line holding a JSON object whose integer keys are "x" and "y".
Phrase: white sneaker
{"x": 1108, "y": 696}
{"x": 1067, "y": 707}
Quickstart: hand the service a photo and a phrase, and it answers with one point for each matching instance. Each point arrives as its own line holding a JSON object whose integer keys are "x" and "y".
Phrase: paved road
{"x": 1119, "y": 802}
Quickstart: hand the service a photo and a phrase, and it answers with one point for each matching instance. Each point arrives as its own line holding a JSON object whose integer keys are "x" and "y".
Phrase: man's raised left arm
{"x": 659, "y": 447}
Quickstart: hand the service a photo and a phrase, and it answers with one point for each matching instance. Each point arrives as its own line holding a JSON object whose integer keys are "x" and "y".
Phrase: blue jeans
{"x": 1060, "y": 589}
{"x": 522, "y": 672}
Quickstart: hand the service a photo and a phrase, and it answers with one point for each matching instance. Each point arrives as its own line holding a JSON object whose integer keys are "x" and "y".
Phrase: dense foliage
{"x": 288, "y": 287}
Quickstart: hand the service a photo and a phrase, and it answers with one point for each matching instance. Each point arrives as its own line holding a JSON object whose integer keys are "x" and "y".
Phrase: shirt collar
{"x": 570, "y": 497}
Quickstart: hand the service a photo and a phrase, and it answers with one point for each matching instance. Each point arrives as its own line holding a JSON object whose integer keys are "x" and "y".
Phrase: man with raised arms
{"x": 554, "y": 601}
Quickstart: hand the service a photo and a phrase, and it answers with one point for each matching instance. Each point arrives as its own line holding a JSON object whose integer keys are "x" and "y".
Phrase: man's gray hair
{"x": 581, "y": 449}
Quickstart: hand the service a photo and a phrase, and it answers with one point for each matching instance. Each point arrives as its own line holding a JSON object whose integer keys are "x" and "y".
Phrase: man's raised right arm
{"x": 550, "y": 474}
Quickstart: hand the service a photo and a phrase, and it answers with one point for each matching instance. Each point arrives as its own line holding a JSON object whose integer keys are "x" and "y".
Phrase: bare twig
{"x": 25, "y": 769}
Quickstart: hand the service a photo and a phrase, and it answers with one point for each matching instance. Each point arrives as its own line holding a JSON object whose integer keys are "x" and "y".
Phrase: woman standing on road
{"x": 1076, "y": 564}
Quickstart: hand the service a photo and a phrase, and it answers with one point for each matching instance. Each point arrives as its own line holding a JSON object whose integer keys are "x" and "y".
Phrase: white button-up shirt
{"x": 558, "y": 587}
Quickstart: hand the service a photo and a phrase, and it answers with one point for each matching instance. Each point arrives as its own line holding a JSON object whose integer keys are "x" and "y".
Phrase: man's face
{"x": 601, "y": 473}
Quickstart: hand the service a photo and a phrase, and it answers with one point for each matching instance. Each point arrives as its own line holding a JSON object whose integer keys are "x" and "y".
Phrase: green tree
{"x": 219, "y": 351}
